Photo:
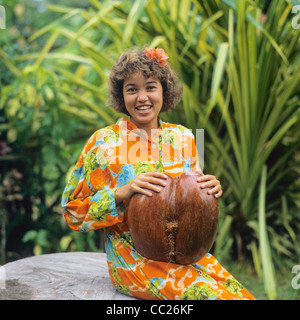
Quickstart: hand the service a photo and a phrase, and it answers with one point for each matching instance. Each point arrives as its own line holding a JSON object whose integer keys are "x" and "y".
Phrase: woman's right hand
{"x": 143, "y": 183}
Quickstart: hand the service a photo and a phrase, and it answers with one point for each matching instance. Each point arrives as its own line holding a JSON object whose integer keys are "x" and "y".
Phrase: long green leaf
{"x": 256, "y": 259}
{"x": 9, "y": 63}
{"x": 222, "y": 233}
{"x": 219, "y": 69}
{"x": 135, "y": 13}
{"x": 54, "y": 24}
{"x": 265, "y": 250}
{"x": 46, "y": 48}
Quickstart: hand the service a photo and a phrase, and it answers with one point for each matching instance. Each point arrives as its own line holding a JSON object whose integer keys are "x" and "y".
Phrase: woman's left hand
{"x": 210, "y": 181}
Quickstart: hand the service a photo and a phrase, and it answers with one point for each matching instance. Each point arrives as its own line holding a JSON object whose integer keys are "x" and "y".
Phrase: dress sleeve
{"x": 88, "y": 200}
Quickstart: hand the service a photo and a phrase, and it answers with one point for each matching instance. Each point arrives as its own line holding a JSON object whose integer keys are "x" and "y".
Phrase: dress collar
{"x": 127, "y": 124}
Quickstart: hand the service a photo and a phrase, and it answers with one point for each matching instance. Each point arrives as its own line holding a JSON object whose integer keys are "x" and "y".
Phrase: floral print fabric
{"x": 111, "y": 158}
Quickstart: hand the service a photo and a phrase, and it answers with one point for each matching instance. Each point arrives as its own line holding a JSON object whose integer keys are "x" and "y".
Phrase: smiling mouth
{"x": 142, "y": 108}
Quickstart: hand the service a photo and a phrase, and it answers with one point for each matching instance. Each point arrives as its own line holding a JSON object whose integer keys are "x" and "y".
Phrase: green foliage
{"x": 240, "y": 72}
{"x": 40, "y": 138}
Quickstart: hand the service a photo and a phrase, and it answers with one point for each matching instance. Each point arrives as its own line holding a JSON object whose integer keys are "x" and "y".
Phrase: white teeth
{"x": 143, "y": 107}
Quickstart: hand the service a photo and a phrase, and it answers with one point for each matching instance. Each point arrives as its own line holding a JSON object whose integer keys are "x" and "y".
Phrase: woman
{"x": 133, "y": 156}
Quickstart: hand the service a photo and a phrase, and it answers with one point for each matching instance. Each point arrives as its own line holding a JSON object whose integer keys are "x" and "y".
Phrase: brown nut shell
{"x": 178, "y": 224}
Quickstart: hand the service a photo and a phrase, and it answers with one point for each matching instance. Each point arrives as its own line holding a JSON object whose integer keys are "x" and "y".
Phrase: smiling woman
{"x": 142, "y": 85}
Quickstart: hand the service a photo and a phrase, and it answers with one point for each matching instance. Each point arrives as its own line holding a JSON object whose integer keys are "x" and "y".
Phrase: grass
{"x": 247, "y": 277}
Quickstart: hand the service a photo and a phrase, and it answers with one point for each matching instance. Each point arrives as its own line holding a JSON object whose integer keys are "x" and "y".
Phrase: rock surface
{"x": 59, "y": 276}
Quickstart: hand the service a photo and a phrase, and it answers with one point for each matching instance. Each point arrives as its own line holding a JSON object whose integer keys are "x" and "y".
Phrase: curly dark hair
{"x": 136, "y": 61}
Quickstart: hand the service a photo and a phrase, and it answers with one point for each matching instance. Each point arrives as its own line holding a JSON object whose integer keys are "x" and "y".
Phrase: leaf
{"x": 47, "y": 48}
{"x": 133, "y": 16}
{"x": 219, "y": 69}
{"x": 223, "y": 232}
{"x": 29, "y": 235}
{"x": 54, "y": 24}
{"x": 256, "y": 258}
{"x": 64, "y": 242}
{"x": 41, "y": 238}
{"x": 9, "y": 63}
{"x": 265, "y": 250}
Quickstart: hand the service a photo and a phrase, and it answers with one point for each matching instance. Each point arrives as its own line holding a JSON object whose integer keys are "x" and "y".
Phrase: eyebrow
{"x": 147, "y": 83}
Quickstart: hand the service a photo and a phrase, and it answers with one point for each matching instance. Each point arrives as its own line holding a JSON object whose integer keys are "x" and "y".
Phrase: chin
{"x": 143, "y": 120}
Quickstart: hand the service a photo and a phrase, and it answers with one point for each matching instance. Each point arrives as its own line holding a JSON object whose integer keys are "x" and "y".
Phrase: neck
{"x": 149, "y": 128}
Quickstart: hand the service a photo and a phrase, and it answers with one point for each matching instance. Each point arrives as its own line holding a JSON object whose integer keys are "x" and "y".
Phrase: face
{"x": 143, "y": 100}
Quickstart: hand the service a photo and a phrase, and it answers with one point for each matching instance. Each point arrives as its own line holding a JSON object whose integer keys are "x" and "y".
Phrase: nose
{"x": 142, "y": 97}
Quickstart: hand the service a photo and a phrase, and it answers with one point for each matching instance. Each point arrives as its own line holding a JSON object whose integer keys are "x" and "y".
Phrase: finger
{"x": 138, "y": 188}
{"x": 144, "y": 191}
{"x": 149, "y": 186}
{"x": 155, "y": 187}
{"x": 206, "y": 177}
{"x": 219, "y": 194}
{"x": 214, "y": 190}
{"x": 157, "y": 181}
{"x": 156, "y": 174}
{"x": 210, "y": 183}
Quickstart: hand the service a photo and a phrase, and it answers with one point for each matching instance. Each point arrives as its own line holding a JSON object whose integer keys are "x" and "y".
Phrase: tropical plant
{"x": 35, "y": 150}
{"x": 258, "y": 109}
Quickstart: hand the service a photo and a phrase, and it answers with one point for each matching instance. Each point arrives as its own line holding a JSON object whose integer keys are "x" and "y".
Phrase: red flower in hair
{"x": 158, "y": 54}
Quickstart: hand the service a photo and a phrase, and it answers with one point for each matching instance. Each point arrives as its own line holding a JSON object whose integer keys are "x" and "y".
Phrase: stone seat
{"x": 59, "y": 276}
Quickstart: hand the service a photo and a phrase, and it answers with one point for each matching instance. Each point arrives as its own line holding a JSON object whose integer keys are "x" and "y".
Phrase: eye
{"x": 131, "y": 90}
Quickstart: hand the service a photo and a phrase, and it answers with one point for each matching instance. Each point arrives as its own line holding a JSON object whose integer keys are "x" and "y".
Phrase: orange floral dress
{"x": 111, "y": 158}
